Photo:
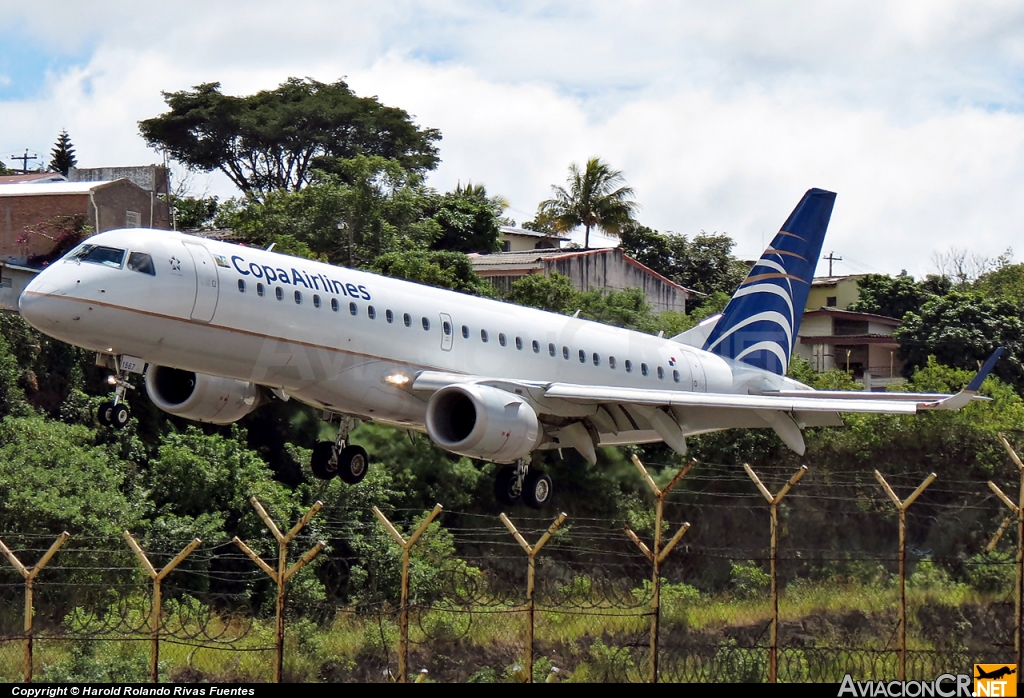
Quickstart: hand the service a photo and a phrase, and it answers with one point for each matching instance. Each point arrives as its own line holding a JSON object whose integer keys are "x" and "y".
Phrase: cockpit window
{"x": 141, "y": 262}
{"x": 98, "y": 254}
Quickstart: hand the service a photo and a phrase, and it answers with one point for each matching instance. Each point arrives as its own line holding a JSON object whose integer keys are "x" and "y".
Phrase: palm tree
{"x": 595, "y": 197}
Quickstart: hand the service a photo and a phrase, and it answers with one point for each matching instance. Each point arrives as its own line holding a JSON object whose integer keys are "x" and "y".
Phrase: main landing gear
{"x": 115, "y": 413}
{"x": 350, "y": 463}
{"x": 517, "y": 483}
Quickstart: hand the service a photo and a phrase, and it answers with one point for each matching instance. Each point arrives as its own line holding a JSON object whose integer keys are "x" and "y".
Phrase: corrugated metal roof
{"x": 49, "y": 188}
{"x": 509, "y": 230}
{"x": 38, "y": 177}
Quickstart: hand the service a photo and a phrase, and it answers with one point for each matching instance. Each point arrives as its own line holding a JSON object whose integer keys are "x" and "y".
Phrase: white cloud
{"x": 720, "y": 115}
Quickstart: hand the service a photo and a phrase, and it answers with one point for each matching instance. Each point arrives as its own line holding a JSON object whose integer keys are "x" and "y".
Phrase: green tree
{"x": 962, "y": 329}
{"x": 704, "y": 264}
{"x": 596, "y": 197}
{"x": 554, "y": 293}
{"x": 451, "y": 270}
{"x": 469, "y": 220}
{"x": 274, "y": 139}
{"x": 380, "y": 208}
{"x": 62, "y": 157}
{"x": 194, "y": 212}
{"x": 892, "y": 296}
{"x": 1007, "y": 283}
{"x": 4, "y": 170}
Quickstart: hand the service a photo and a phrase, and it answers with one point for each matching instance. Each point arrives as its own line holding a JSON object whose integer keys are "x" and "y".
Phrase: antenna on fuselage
{"x": 577, "y": 313}
{"x": 271, "y": 246}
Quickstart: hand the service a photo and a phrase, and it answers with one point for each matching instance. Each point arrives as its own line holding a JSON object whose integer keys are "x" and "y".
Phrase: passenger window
{"x": 483, "y": 335}
{"x": 675, "y": 376}
{"x": 583, "y": 357}
{"x": 407, "y": 319}
{"x": 298, "y": 298}
{"x": 241, "y": 285}
{"x": 597, "y": 359}
{"x": 551, "y": 349}
{"x": 96, "y": 254}
{"x": 661, "y": 373}
{"x": 335, "y": 305}
{"x": 371, "y": 312}
{"x": 536, "y": 347}
{"x": 519, "y": 343}
{"x": 643, "y": 369}
{"x": 565, "y": 353}
{"x": 279, "y": 292}
{"x": 142, "y": 263}
{"x": 501, "y": 338}
{"x": 260, "y": 290}
{"x": 316, "y": 301}
{"x": 353, "y": 309}
{"x": 611, "y": 362}
{"x": 426, "y": 323}
{"x": 629, "y": 366}
{"x": 447, "y": 327}
{"x": 465, "y": 332}
{"x": 389, "y": 316}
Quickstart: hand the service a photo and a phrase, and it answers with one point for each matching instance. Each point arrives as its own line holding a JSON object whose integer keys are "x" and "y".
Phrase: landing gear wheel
{"x": 320, "y": 461}
{"x": 120, "y": 416}
{"x": 506, "y": 488}
{"x": 111, "y": 415}
{"x": 537, "y": 490}
{"x": 353, "y": 462}
{"x": 105, "y": 414}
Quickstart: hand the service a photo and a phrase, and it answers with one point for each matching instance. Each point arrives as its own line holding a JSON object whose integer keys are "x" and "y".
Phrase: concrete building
{"x": 860, "y": 343}
{"x": 606, "y": 268}
{"x": 521, "y": 240}
{"x": 29, "y": 209}
{"x": 833, "y": 291}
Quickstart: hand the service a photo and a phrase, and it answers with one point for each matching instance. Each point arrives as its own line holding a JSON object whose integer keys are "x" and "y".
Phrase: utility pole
{"x": 24, "y": 160}
{"x": 832, "y": 258}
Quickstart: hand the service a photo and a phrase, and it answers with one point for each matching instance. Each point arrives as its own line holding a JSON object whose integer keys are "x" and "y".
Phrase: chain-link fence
{"x": 837, "y": 572}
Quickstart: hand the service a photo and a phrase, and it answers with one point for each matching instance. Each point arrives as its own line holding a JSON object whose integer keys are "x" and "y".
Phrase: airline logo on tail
{"x": 759, "y": 325}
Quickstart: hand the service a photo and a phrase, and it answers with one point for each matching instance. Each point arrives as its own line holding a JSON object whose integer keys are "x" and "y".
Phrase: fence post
{"x": 29, "y": 574}
{"x": 157, "y": 576}
{"x": 658, "y": 554}
{"x": 1018, "y": 511}
{"x": 403, "y": 616}
{"x": 531, "y": 553}
{"x": 901, "y": 508}
{"x": 283, "y": 572}
{"x": 773, "y": 506}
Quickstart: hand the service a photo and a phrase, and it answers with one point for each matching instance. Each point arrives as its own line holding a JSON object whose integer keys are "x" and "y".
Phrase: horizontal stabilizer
{"x": 698, "y": 334}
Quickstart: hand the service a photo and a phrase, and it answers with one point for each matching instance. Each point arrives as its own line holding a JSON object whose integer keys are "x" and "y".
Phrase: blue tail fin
{"x": 759, "y": 325}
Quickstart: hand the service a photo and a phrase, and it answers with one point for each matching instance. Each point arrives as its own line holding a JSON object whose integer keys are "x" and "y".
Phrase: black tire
{"x": 105, "y": 414}
{"x": 504, "y": 486}
{"x": 320, "y": 461}
{"x": 353, "y": 463}
{"x": 119, "y": 416}
{"x": 537, "y": 490}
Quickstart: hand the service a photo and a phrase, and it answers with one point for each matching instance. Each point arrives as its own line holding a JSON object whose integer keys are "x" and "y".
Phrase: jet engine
{"x": 482, "y": 422}
{"x": 200, "y": 397}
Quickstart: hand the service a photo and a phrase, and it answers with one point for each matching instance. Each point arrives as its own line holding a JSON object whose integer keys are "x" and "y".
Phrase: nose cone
{"x": 37, "y": 302}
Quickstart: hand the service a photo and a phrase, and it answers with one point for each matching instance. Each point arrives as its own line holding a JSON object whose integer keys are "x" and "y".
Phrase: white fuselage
{"x": 332, "y": 337}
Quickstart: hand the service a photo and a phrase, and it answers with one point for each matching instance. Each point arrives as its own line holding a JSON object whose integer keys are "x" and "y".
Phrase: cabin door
{"x": 206, "y": 282}
{"x": 447, "y": 332}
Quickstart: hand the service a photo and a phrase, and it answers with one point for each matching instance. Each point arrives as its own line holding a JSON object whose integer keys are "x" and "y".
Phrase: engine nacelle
{"x": 200, "y": 397}
{"x": 482, "y": 422}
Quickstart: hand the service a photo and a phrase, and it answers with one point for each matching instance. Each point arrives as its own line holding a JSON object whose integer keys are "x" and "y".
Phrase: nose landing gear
{"x": 349, "y": 462}
{"x": 515, "y": 484}
{"x": 115, "y": 413}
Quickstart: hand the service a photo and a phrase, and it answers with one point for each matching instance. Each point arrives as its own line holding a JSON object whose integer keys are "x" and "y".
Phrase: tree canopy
{"x": 274, "y": 139}
{"x": 596, "y": 197}
{"x": 892, "y": 296}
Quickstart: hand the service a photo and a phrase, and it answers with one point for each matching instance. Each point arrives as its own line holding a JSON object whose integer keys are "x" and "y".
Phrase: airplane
{"x": 217, "y": 328}
{"x": 995, "y": 673}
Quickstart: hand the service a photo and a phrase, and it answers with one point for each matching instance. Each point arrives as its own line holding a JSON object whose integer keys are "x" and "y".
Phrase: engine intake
{"x": 200, "y": 397}
{"x": 482, "y": 422}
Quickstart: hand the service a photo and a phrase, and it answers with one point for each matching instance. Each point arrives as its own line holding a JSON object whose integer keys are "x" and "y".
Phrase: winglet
{"x": 961, "y": 399}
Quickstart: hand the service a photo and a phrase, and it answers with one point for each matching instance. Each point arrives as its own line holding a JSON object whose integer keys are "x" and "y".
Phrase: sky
{"x": 719, "y": 114}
